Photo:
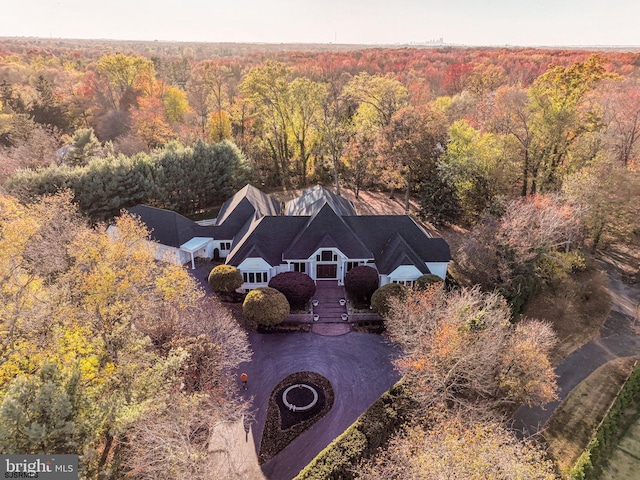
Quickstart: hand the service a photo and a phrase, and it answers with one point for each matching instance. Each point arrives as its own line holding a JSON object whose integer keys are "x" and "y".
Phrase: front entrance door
{"x": 327, "y": 270}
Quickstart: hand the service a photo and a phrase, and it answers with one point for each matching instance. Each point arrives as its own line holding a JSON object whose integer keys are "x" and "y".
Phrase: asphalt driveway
{"x": 358, "y": 365}
{"x": 619, "y": 336}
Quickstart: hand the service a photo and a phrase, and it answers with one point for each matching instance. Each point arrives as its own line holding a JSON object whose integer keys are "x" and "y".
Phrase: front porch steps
{"x": 328, "y": 294}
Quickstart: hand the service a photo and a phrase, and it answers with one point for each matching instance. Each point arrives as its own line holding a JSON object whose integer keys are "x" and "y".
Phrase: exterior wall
{"x": 219, "y": 244}
{"x": 161, "y": 252}
{"x": 254, "y": 266}
{"x": 404, "y": 273}
{"x": 438, "y": 268}
{"x": 340, "y": 262}
{"x": 170, "y": 254}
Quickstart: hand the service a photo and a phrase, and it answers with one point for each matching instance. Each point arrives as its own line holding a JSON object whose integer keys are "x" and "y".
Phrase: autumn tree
{"x": 176, "y": 104}
{"x": 288, "y": 111}
{"x": 459, "y": 448}
{"x": 410, "y": 147}
{"x": 335, "y": 129}
{"x": 208, "y": 94}
{"x": 609, "y": 196}
{"x": 125, "y": 78}
{"x": 620, "y": 99}
{"x": 561, "y": 116}
{"x": 506, "y": 252}
{"x": 461, "y": 351}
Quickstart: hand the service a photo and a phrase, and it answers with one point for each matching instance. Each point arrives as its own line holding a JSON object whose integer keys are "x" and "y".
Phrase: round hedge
{"x": 225, "y": 278}
{"x": 296, "y": 286}
{"x": 265, "y": 306}
{"x": 380, "y": 298}
{"x": 423, "y": 281}
{"x": 360, "y": 282}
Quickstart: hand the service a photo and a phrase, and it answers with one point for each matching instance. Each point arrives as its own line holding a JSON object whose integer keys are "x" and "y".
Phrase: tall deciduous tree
{"x": 378, "y": 97}
{"x": 621, "y": 102}
{"x": 410, "y": 146}
{"x": 561, "y": 115}
{"x": 462, "y": 352}
{"x": 288, "y": 112}
{"x": 125, "y": 78}
{"x": 609, "y": 196}
{"x": 459, "y": 448}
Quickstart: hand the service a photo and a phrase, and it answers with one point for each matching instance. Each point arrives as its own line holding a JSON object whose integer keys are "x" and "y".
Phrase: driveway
{"x": 358, "y": 365}
{"x": 619, "y": 336}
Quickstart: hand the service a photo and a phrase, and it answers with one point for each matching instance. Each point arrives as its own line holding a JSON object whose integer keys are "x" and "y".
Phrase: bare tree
{"x": 462, "y": 353}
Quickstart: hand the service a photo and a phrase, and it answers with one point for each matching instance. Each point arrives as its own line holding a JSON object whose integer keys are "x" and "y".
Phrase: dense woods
{"x": 534, "y": 153}
{"x": 105, "y": 352}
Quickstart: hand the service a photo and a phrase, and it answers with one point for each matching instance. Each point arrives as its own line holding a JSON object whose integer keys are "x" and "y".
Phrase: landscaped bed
{"x": 290, "y": 414}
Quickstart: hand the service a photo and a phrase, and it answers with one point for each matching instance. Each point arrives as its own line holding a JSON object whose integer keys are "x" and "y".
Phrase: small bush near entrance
{"x": 296, "y": 286}
{"x": 265, "y": 306}
{"x": 360, "y": 282}
{"x": 380, "y": 298}
{"x": 424, "y": 281}
{"x": 225, "y": 279}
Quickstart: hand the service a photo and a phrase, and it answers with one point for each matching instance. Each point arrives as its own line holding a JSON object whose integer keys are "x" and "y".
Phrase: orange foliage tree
{"x": 462, "y": 353}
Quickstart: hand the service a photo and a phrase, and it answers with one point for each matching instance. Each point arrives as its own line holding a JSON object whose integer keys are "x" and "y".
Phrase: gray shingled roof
{"x": 326, "y": 225}
{"x": 398, "y": 252}
{"x": 260, "y": 202}
{"x": 271, "y": 235}
{"x": 376, "y": 231}
{"x": 167, "y": 227}
{"x": 311, "y": 201}
{"x": 251, "y": 219}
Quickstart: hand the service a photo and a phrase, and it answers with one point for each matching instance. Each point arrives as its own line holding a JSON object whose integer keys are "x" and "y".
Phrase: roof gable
{"x": 167, "y": 227}
{"x": 245, "y": 202}
{"x": 326, "y": 225}
{"x": 398, "y": 252}
{"x": 268, "y": 234}
{"x": 313, "y": 199}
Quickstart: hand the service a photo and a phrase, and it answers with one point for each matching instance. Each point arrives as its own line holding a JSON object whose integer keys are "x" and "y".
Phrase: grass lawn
{"x": 569, "y": 430}
{"x": 624, "y": 463}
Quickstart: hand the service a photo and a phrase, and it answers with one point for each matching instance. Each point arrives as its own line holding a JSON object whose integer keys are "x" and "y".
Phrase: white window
{"x": 351, "y": 265}
{"x": 225, "y": 245}
{"x": 406, "y": 283}
{"x": 255, "y": 277}
{"x": 299, "y": 267}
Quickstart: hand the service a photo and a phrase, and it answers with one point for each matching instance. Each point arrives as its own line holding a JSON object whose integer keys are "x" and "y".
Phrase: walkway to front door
{"x": 329, "y": 309}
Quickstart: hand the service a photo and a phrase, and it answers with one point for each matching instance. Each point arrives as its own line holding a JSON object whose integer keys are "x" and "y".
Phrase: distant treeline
{"x": 184, "y": 179}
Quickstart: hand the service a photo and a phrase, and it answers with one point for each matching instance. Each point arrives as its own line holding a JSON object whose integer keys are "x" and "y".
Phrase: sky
{"x": 466, "y": 22}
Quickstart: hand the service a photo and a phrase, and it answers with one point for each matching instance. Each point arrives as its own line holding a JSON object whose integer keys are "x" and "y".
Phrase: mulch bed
{"x": 282, "y": 425}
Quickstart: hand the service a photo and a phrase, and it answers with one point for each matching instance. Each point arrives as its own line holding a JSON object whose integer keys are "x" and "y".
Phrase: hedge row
{"x": 590, "y": 463}
{"x": 362, "y": 439}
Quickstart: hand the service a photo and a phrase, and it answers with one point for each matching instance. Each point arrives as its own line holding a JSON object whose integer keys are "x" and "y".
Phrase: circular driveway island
{"x": 358, "y": 365}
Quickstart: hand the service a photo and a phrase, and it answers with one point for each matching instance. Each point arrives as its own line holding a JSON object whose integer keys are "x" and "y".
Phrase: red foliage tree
{"x": 297, "y": 287}
{"x": 360, "y": 282}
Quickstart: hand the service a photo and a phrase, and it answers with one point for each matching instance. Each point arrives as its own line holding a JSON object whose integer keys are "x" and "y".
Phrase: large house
{"x": 318, "y": 233}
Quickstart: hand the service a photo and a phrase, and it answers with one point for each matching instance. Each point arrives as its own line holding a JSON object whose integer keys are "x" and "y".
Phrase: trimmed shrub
{"x": 296, "y": 286}
{"x": 424, "y": 281}
{"x": 380, "y": 298}
{"x": 225, "y": 279}
{"x": 363, "y": 438}
{"x": 360, "y": 282}
{"x": 265, "y": 306}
